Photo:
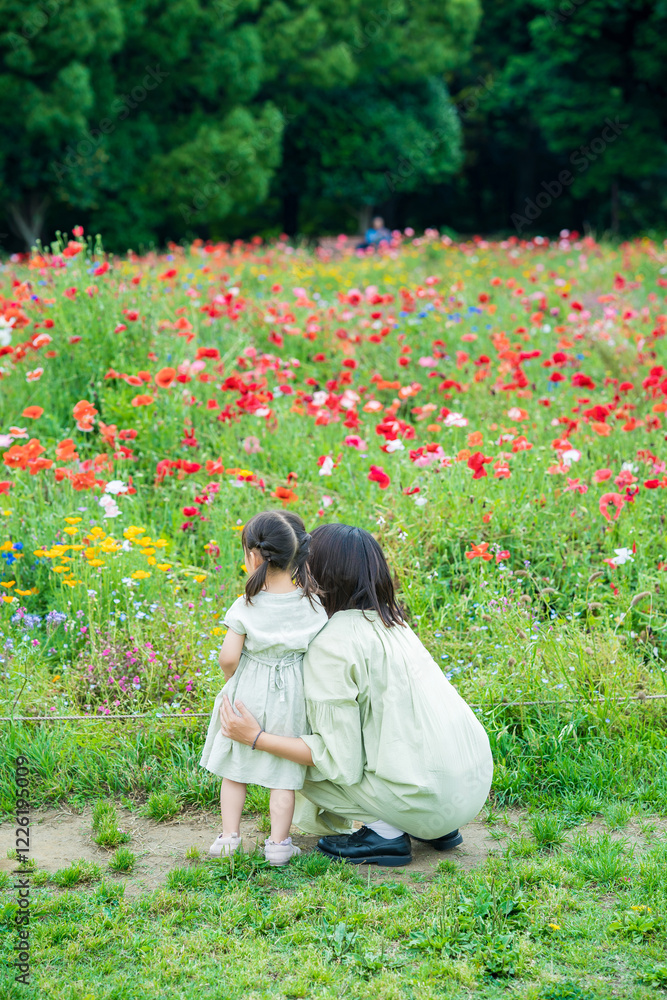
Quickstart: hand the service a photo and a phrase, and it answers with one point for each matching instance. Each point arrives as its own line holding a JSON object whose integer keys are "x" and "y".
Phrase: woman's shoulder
{"x": 343, "y": 627}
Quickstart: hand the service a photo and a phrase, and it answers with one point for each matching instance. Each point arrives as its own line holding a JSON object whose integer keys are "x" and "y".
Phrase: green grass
{"x": 548, "y": 760}
{"x": 122, "y": 862}
{"x": 105, "y": 825}
{"x": 562, "y": 925}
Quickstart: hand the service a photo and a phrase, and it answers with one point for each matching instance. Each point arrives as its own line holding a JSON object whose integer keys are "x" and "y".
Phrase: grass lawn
{"x": 567, "y": 899}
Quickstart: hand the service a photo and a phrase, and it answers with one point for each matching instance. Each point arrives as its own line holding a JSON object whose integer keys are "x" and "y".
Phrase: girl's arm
{"x": 244, "y": 728}
{"x": 230, "y": 653}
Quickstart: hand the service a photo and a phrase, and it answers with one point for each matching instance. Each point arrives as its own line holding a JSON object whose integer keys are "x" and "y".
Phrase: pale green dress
{"x": 391, "y": 738}
{"x": 269, "y": 682}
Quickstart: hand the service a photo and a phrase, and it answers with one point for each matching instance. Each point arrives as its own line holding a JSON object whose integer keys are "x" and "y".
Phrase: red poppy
{"x": 379, "y": 476}
{"x": 480, "y": 552}
{"x": 583, "y": 381}
{"x": 285, "y": 495}
{"x": 5, "y": 486}
{"x": 477, "y": 462}
{"x": 616, "y": 500}
{"x": 32, "y": 412}
{"x": 66, "y": 451}
{"x": 84, "y": 414}
{"x": 143, "y": 400}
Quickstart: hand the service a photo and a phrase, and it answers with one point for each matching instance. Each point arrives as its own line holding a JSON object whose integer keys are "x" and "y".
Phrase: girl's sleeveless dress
{"x": 269, "y": 681}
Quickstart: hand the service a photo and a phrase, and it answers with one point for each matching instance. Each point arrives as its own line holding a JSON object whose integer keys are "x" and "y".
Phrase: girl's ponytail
{"x": 302, "y": 575}
{"x": 256, "y": 581}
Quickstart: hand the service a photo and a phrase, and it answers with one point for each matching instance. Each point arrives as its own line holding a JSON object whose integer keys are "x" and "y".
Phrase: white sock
{"x": 385, "y": 830}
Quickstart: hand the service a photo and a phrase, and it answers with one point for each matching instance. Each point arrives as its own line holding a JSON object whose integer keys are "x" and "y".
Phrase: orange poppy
{"x": 165, "y": 377}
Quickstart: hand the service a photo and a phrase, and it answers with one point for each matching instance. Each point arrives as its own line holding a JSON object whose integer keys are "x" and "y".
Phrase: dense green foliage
{"x": 555, "y": 74}
{"x": 153, "y": 122}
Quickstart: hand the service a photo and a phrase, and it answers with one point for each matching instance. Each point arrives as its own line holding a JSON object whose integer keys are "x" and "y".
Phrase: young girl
{"x": 270, "y": 629}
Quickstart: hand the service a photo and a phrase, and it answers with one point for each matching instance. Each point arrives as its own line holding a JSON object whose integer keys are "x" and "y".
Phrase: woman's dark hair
{"x": 283, "y": 543}
{"x": 352, "y": 572}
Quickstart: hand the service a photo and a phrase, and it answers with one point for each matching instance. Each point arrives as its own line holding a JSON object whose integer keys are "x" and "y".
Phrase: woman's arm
{"x": 230, "y": 653}
{"x": 244, "y": 728}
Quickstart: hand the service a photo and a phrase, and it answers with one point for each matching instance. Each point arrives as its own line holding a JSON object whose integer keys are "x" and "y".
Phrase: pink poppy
{"x": 616, "y": 500}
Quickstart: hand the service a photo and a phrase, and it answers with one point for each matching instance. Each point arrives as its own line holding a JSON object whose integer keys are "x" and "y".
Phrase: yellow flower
{"x": 97, "y": 532}
{"x": 57, "y": 550}
{"x": 90, "y": 552}
{"x": 70, "y": 531}
{"x": 140, "y": 574}
{"x": 60, "y": 569}
{"x": 25, "y": 593}
{"x": 636, "y": 908}
{"x": 95, "y": 562}
{"x": 133, "y": 531}
{"x": 9, "y": 584}
{"x": 147, "y": 540}
{"x": 7, "y": 599}
{"x": 76, "y": 548}
{"x": 164, "y": 566}
{"x": 151, "y": 560}
{"x": 73, "y": 520}
{"x": 555, "y": 927}
{"x": 161, "y": 543}
{"x": 109, "y": 545}
{"x": 7, "y": 513}
{"x": 200, "y": 578}
{"x": 147, "y": 552}
{"x": 41, "y": 554}
{"x": 6, "y": 547}
{"x": 56, "y": 677}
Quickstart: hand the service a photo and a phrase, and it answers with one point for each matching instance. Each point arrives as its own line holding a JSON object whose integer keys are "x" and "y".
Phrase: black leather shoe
{"x": 366, "y": 847}
{"x": 445, "y": 843}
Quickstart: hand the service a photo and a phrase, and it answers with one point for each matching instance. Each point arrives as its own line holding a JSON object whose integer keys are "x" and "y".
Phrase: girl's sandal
{"x": 224, "y": 846}
{"x": 280, "y": 854}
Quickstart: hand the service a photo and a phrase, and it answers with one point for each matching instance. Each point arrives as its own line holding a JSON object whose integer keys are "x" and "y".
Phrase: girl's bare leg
{"x": 232, "y": 800}
{"x": 281, "y": 808}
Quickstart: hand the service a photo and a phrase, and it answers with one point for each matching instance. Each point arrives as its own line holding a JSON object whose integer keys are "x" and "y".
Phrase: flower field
{"x": 494, "y": 412}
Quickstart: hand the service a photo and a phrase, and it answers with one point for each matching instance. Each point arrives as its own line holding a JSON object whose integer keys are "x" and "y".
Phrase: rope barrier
{"x": 207, "y": 715}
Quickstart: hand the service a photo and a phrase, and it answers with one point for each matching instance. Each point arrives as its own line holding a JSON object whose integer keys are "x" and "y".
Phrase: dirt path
{"x": 60, "y": 836}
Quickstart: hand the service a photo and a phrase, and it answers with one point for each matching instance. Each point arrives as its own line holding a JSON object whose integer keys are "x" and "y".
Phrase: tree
{"x": 137, "y": 115}
{"x": 392, "y": 128}
{"x": 560, "y": 72}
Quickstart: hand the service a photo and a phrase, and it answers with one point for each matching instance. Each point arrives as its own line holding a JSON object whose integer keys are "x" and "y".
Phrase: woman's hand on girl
{"x": 243, "y": 727}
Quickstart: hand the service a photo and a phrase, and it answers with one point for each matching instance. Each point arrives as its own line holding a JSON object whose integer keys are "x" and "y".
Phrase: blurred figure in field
{"x": 376, "y": 235}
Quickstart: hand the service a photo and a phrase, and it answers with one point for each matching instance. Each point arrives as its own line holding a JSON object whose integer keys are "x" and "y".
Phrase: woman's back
{"x": 402, "y": 695}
